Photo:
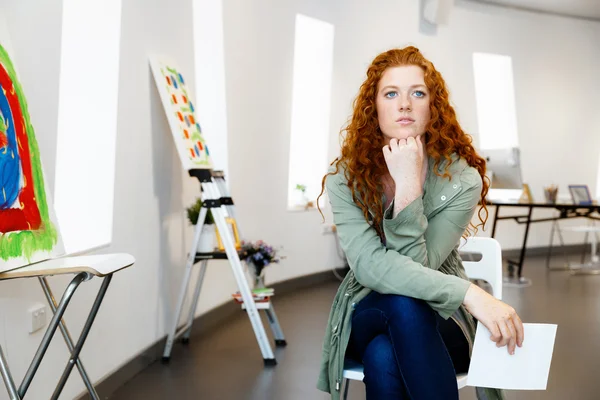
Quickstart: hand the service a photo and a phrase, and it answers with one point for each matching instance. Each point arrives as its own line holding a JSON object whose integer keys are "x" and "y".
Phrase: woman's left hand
{"x": 499, "y": 318}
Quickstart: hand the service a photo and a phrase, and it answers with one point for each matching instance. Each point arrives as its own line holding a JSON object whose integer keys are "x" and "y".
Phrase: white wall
{"x": 211, "y": 105}
{"x": 259, "y": 52}
{"x": 554, "y": 60}
{"x": 35, "y": 40}
{"x": 554, "y": 63}
{"x": 150, "y": 191}
{"x": 31, "y": 24}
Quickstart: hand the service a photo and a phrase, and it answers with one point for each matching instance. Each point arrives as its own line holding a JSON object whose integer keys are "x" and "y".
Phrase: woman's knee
{"x": 409, "y": 310}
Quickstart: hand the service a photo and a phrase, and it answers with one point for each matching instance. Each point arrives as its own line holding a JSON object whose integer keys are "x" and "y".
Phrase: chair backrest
{"x": 489, "y": 268}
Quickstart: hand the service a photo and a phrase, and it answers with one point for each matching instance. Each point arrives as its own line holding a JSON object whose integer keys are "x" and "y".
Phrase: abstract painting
{"x": 28, "y": 229}
{"x": 181, "y": 114}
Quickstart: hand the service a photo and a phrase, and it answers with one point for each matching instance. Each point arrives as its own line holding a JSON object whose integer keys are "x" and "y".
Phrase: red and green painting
{"x": 28, "y": 231}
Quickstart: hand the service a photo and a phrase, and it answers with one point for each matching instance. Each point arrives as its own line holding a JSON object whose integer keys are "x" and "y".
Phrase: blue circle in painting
{"x": 10, "y": 171}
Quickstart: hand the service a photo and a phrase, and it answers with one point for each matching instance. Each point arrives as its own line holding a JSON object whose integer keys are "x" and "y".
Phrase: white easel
{"x": 216, "y": 198}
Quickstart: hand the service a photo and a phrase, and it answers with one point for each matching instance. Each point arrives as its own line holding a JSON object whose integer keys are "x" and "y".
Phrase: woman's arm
{"x": 430, "y": 242}
{"x": 383, "y": 270}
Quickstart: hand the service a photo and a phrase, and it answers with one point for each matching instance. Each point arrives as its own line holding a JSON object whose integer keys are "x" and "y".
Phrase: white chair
{"x": 590, "y": 229}
{"x": 488, "y": 268}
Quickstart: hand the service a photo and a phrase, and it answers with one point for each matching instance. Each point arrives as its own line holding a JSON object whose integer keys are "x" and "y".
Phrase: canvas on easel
{"x": 28, "y": 228}
{"x": 181, "y": 113}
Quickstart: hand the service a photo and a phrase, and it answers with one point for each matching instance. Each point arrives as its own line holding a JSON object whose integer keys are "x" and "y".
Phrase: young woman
{"x": 402, "y": 193}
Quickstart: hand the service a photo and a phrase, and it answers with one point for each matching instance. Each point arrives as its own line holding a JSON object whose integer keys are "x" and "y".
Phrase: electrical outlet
{"x": 328, "y": 228}
{"x": 37, "y": 316}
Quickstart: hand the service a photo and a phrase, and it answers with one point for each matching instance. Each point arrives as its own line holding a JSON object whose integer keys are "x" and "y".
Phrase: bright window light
{"x": 87, "y": 122}
{"x": 313, "y": 62}
{"x": 210, "y": 79}
{"x": 495, "y": 96}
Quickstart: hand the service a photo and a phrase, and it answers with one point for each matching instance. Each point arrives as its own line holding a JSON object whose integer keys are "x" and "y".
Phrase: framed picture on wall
{"x": 580, "y": 194}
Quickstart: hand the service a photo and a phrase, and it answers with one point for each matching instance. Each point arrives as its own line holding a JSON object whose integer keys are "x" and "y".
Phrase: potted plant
{"x": 207, "y": 237}
{"x": 302, "y": 199}
{"x": 258, "y": 255}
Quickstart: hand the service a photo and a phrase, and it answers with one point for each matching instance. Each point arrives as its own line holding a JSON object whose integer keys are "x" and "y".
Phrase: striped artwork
{"x": 181, "y": 114}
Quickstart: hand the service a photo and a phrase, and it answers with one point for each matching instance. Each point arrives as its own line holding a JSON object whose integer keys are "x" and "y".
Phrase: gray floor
{"x": 226, "y": 363}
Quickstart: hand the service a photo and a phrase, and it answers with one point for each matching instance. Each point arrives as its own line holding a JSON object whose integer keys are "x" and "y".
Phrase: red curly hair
{"x": 361, "y": 148}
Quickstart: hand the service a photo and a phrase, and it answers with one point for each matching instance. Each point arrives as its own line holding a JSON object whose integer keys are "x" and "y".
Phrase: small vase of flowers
{"x": 259, "y": 255}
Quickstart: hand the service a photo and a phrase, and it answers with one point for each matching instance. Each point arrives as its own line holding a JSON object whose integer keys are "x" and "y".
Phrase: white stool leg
{"x": 7, "y": 377}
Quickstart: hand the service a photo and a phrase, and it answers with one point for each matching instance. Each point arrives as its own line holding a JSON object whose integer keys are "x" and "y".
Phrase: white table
{"x": 84, "y": 268}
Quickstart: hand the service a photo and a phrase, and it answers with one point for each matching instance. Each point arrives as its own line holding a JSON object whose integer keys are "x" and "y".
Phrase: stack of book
{"x": 260, "y": 295}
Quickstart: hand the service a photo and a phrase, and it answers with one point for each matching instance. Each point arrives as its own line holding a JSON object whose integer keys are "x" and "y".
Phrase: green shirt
{"x": 419, "y": 258}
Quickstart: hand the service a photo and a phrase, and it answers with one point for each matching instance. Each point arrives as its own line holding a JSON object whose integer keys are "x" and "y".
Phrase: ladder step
{"x": 222, "y": 211}
{"x": 259, "y": 305}
{"x": 216, "y": 255}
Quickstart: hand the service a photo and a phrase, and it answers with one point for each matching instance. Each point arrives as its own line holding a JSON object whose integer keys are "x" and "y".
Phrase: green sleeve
{"x": 430, "y": 242}
{"x": 383, "y": 270}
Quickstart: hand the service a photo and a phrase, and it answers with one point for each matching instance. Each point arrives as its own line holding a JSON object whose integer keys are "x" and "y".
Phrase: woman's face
{"x": 402, "y": 102}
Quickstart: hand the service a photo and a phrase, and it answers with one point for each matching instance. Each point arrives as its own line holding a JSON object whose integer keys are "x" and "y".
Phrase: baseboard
{"x": 208, "y": 321}
{"x": 543, "y": 250}
{"x": 201, "y": 325}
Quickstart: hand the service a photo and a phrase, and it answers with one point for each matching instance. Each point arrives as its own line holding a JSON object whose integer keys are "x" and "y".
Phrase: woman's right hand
{"x": 501, "y": 319}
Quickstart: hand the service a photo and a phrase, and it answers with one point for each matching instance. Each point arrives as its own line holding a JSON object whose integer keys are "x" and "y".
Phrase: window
{"x": 311, "y": 92}
{"x": 210, "y": 79}
{"x": 495, "y": 97}
{"x": 87, "y": 122}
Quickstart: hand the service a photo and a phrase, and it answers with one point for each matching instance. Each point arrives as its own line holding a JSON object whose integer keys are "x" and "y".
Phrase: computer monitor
{"x": 504, "y": 167}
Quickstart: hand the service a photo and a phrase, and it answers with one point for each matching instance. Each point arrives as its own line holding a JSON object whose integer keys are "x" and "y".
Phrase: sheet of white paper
{"x": 527, "y": 369}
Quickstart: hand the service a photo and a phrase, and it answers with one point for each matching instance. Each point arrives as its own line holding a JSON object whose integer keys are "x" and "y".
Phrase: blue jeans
{"x": 407, "y": 350}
